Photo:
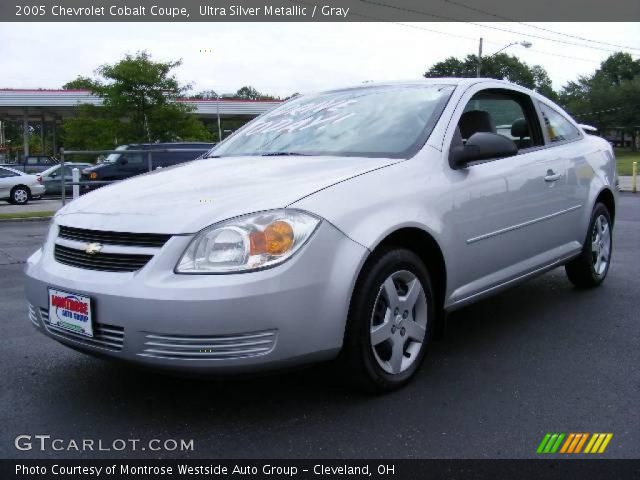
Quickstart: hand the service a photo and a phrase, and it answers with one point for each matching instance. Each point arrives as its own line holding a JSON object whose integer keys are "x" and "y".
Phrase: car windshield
{"x": 113, "y": 157}
{"x": 385, "y": 121}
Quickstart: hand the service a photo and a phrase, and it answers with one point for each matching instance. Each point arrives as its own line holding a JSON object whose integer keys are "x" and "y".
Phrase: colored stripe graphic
{"x": 573, "y": 443}
{"x": 550, "y": 443}
{"x": 598, "y": 443}
{"x": 581, "y": 443}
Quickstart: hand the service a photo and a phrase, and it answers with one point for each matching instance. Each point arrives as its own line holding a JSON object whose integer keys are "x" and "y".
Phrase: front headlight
{"x": 247, "y": 243}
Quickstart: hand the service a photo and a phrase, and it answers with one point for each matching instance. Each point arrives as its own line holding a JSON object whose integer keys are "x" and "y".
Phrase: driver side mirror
{"x": 481, "y": 146}
{"x": 122, "y": 161}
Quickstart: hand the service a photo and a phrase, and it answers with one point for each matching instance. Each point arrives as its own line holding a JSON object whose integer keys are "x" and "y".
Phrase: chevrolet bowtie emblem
{"x": 92, "y": 248}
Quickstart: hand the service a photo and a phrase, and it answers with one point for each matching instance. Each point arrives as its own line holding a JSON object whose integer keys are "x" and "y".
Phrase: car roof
{"x": 452, "y": 81}
{"x": 167, "y": 144}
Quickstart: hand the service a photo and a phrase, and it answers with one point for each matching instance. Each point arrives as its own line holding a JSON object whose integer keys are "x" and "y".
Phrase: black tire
{"x": 359, "y": 361}
{"x": 20, "y": 195}
{"x": 582, "y": 270}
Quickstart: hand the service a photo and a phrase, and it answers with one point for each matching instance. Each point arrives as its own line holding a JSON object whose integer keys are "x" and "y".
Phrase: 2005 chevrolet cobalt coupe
{"x": 341, "y": 224}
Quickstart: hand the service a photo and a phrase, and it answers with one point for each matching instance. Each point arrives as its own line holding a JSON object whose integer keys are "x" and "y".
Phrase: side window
{"x": 7, "y": 173}
{"x": 506, "y": 113}
{"x": 557, "y": 127}
{"x": 32, "y": 160}
{"x": 135, "y": 159}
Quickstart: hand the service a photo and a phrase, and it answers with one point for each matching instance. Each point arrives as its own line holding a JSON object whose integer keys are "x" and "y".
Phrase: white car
{"x": 17, "y": 187}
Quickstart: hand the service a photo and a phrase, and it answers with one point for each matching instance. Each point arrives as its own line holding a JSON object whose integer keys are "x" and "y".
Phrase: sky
{"x": 283, "y": 58}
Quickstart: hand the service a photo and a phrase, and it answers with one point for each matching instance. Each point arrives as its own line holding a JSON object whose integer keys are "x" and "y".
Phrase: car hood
{"x": 191, "y": 196}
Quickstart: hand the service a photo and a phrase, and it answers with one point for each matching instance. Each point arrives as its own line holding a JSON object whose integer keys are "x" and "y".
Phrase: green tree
{"x": 610, "y": 97}
{"x": 139, "y": 105}
{"x": 206, "y": 95}
{"x": 250, "y": 93}
{"x": 500, "y": 66}
{"x": 80, "y": 83}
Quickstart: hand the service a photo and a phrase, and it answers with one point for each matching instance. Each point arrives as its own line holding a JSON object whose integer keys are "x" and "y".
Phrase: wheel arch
{"x": 423, "y": 244}
{"x": 607, "y": 198}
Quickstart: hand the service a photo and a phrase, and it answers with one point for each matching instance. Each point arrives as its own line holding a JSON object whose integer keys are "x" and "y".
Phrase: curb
{"x": 27, "y": 219}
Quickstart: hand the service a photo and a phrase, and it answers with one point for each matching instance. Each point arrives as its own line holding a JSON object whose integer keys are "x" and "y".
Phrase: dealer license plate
{"x": 70, "y": 311}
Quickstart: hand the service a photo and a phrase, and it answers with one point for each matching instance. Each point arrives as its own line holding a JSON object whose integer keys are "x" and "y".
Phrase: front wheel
{"x": 591, "y": 267}
{"x": 390, "y": 321}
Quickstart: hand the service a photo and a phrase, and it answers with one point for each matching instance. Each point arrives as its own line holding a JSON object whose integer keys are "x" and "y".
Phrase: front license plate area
{"x": 70, "y": 311}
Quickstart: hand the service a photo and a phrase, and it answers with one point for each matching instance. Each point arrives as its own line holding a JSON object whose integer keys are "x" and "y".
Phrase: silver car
{"x": 17, "y": 187}
{"x": 340, "y": 224}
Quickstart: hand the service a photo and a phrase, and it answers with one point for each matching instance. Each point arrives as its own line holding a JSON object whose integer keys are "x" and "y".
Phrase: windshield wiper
{"x": 283, "y": 154}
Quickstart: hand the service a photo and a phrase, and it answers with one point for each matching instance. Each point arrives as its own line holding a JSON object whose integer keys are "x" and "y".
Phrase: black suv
{"x": 119, "y": 166}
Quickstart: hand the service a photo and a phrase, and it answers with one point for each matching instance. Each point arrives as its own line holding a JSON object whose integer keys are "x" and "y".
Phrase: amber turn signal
{"x": 276, "y": 239}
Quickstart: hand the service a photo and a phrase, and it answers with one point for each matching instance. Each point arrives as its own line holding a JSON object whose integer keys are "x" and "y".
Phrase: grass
{"x": 625, "y": 159}
{"x": 19, "y": 215}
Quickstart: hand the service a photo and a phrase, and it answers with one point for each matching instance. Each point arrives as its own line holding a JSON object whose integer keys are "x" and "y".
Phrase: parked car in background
{"x": 33, "y": 163}
{"x": 51, "y": 177}
{"x": 118, "y": 166}
{"x": 17, "y": 187}
{"x": 339, "y": 224}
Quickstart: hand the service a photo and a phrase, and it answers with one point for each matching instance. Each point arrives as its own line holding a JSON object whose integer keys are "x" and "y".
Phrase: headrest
{"x": 520, "y": 128}
{"x": 475, "y": 121}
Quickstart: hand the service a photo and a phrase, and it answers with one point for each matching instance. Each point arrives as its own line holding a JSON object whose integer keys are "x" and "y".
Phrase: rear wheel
{"x": 591, "y": 267}
{"x": 20, "y": 195}
{"x": 390, "y": 321}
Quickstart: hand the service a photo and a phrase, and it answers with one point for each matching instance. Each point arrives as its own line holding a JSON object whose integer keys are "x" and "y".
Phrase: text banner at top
{"x": 318, "y": 11}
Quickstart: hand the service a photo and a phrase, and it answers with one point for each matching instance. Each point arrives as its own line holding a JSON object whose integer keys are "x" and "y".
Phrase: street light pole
{"x": 218, "y": 114}
{"x": 479, "y": 66}
{"x": 523, "y": 43}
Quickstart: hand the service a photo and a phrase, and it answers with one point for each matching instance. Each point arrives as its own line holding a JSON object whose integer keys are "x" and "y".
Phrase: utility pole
{"x": 479, "y": 66}
{"x": 218, "y": 115}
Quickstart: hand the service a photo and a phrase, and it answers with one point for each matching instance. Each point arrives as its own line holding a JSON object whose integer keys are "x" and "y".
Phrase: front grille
{"x": 108, "y": 262}
{"x": 109, "y": 337}
{"x": 154, "y": 240}
{"x": 219, "y": 347}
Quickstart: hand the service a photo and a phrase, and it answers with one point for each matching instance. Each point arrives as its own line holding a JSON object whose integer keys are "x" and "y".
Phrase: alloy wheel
{"x": 600, "y": 245}
{"x": 20, "y": 196}
{"x": 399, "y": 322}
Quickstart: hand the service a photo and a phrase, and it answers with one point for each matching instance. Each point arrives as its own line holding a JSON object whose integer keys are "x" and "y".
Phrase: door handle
{"x": 551, "y": 176}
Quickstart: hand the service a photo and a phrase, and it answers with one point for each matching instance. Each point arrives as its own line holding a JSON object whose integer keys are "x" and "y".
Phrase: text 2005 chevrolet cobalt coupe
{"x": 344, "y": 223}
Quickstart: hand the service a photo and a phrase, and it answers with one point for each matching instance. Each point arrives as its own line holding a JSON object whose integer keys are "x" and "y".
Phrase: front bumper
{"x": 292, "y": 313}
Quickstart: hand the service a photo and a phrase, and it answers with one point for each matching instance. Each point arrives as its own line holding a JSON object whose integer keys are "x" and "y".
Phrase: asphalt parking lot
{"x": 543, "y": 357}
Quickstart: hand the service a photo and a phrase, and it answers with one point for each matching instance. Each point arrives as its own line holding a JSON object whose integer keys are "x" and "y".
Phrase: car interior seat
{"x": 520, "y": 130}
{"x": 475, "y": 121}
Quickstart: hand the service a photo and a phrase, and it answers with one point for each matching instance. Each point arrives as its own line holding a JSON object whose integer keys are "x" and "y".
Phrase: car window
{"x": 68, "y": 170}
{"x": 506, "y": 113}
{"x": 135, "y": 158}
{"x": 557, "y": 127}
{"x": 32, "y": 160}
{"x": 4, "y": 173}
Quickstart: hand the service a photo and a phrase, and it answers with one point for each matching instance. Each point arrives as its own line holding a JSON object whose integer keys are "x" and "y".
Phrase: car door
{"x": 7, "y": 181}
{"x": 52, "y": 181}
{"x": 505, "y": 218}
{"x": 566, "y": 146}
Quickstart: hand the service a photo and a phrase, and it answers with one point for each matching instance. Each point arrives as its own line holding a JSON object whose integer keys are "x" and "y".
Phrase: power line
{"x": 578, "y": 37}
{"x": 494, "y": 43}
{"x": 492, "y": 27}
{"x": 495, "y": 15}
{"x": 440, "y": 32}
